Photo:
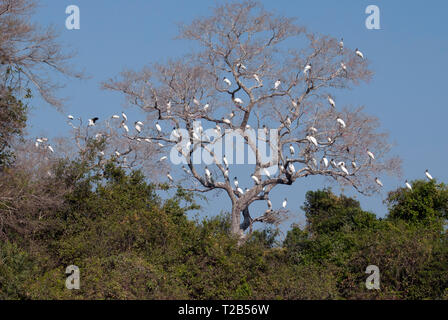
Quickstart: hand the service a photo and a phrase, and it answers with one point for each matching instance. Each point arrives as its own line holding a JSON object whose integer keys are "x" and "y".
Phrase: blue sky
{"x": 408, "y": 56}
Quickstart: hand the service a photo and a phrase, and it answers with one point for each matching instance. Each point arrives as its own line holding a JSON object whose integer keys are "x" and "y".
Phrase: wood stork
{"x": 163, "y": 158}
{"x": 265, "y": 130}
{"x": 235, "y": 182}
{"x": 50, "y": 148}
{"x": 408, "y": 185}
{"x": 70, "y": 117}
{"x": 312, "y": 140}
{"x": 256, "y": 180}
{"x": 291, "y": 168}
{"x": 168, "y": 175}
{"x": 344, "y": 169}
{"x": 175, "y": 133}
{"x": 124, "y": 116}
{"x": 333, "y": 163}
{"x": 158, "y": 128}
{"x": 288, "y": 121}
{"x": 117, "y": 153}
{"x": 206, "y": 106}
{"x": 331, "y": 101}
{"x": 241, "y": 66}
{"x": 325, "y": 161}
{"x": 291, "y": 149}
{"x": 125, "y": 127}
{"x": 341, "y": 123}
{"x": 186, "y": 170}
{"x": 266, "y": 173}
{"x": 226, "y": 174}
{"x": 428, "y": 175}
{"x": 218, "y": 130}
{"x": 138, "y": 127}
{"x": 343, "y": 66}
{"x": 39, "y": 140}
{"x": 231, "y": 115}
{"x": 269, "y": 203}
{"x": 115, "y": 116}
{"x": 312, "y": 130}
{"x": 277, "y": 84}
{"x": 285, "y": 203}
{"x": 359, "y": 53}
{"x": 227, "y": 81}
{"x": 227, "y": 121}
{"x": 226, "y": 163}
{"x": 307, "y": 68}
{"x": 196, "y": 102}
{"x": 238, "y": 101}
{"x": 257, "y": 78}
{"x": 240, "y": 191}
{"x": 371, "y": 155}
{"x": 92, "y": 121}
{"x": 354, "y": 166}
{"x": 168, "y": 107}
{"x": 161, "y": 145}
{"x": 378, "y": 182}
{"x": 36, "y": 144}
{"x": 341, "y": 44}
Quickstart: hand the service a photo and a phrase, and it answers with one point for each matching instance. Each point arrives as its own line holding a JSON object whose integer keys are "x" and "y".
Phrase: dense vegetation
{"x": 131, "y": 244}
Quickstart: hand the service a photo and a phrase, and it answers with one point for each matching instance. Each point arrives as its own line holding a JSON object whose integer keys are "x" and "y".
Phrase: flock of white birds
{"x": 199, "y": 135}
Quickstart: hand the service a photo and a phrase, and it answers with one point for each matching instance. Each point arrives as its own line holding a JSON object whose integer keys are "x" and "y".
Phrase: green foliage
{"x": 427, "y": 202}
{"x": 130, "y": 243}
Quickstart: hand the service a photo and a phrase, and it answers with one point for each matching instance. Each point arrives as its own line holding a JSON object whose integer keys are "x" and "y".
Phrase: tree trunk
{"x": 235, "y": 227}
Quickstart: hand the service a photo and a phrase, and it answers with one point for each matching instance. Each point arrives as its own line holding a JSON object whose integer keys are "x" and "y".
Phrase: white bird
{"x": 195, "y": 136}
{"x": 36, "y": 144}
{"x": 138, "y": 127}
{"x": 169, "y": 177}
{"x": 206, "y": 106}
{"x": 312, "y": 140}
{"x": 408, "y": 185}
{"x": 359, "y": 53}
{"x": 325, "y": 161}
{"x": 158, "y": 127}
{"x": 240, "y": 191}
{"x": 175, "y": 133}
{"x": 285, "y": 203}
{"x": 40, "y": 140}
{"x": 50, "y": 148}
{"x": 354, "y": 166}
{"x": 226, "y": 121}
{"x": 288, "y": 121}
{"x": 208, "y": 174}
{"x": 163, "y": 158}
{"x": 115, "y": 116}
{"x": 291, "y": 168}
{"x": 232, "y": 114}
{"x": 139, "y": 123}
{"x": 196, "y": 102}
{"x": 255, "y": 179}
{"x": 341, "y": 44}
{"x": 92, "y": 121}
{"x": 277, "y": 84}
{"x": 291, "y": 149}
{"x": 331, "y": 101}
{"x": 370, "y": 154}
{"x": 257, "y": 78}
{"x": 226, "y": 173}
{"x": 168, "y": 107}
{"x": 227, "y": 81}
{"x": 235, "y": 182}
{"x": 343, "y": 66}
{"x": 344, "y": 169}
{"x": 125, "y": 127}
{"x": 70, "y": 117}
{"x": 186, "y": 170}
{"x": 307, "y": 68}
{"x": 117, "y": 153}
{"x": 241, "y": 66}
{"x": 333, "y": 163}
{"x": 341, "y": 122}
{"x": 266, "y": 173}
{"x": 378, "y": 182}
{"x": 314, "y": 162}
{"x": 218, "y": 130}
{"x": 269, "y": 204}
{"x": 428, "y": 175}
{"x": 226, "y": 163}
{"x": 124, "y": 116}
{"x": 160, "y": 144}
{"x": 313, "y": 130}
{"x": 238, "y": 101}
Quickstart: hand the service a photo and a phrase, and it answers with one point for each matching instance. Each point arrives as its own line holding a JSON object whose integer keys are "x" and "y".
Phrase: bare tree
{"x": 28, "y": 53}
{"x": 244, "y": 77}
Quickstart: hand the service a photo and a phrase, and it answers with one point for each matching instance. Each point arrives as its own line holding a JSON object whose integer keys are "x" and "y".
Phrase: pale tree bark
{"x": 248, "y": 46}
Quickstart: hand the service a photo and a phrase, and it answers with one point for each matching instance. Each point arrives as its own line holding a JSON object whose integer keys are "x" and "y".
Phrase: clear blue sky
{"x": 408, "y": 55}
